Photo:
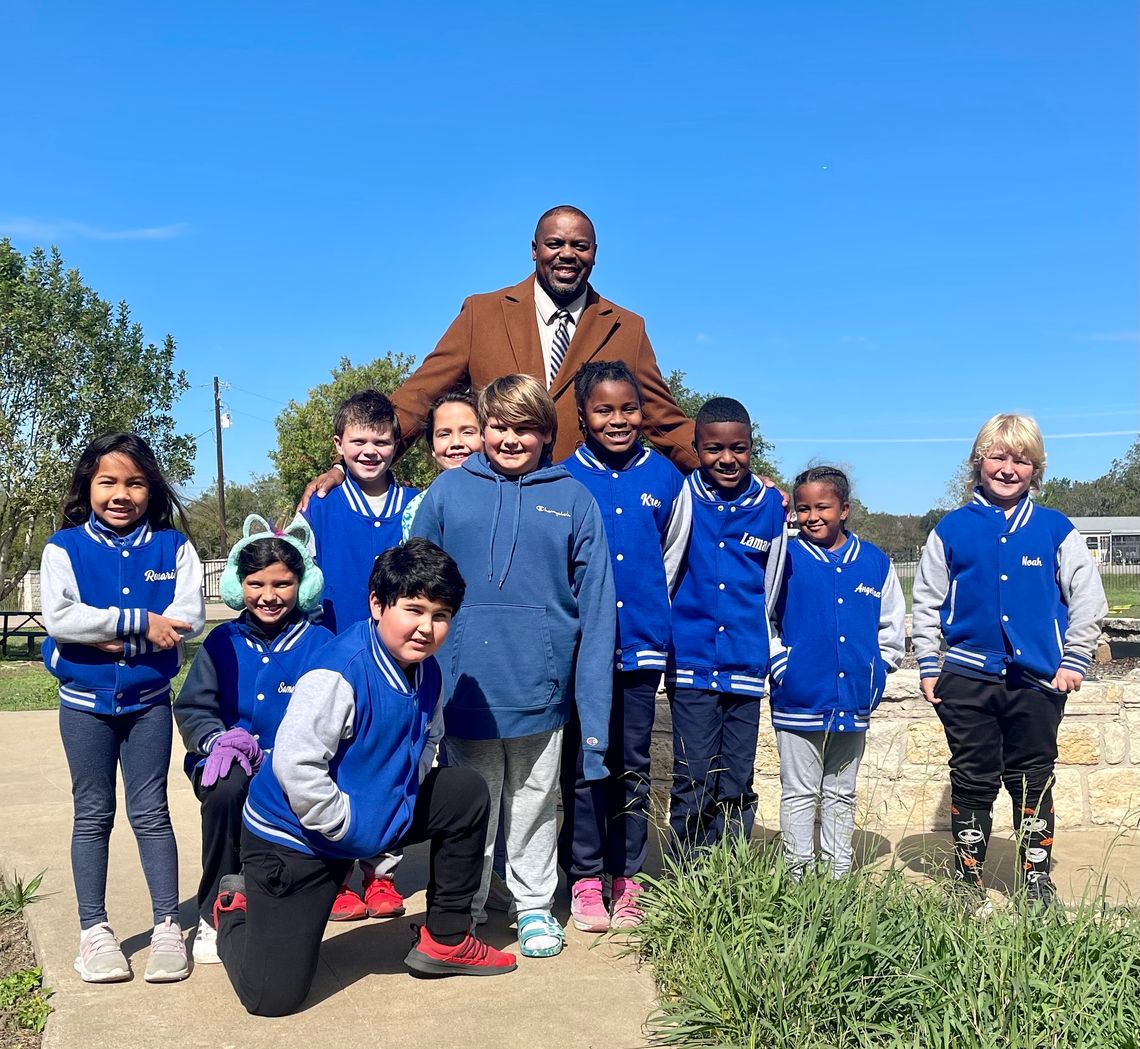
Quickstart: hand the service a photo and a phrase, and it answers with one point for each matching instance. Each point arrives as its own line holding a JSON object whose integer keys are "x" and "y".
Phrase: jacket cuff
{"x": 206, "y": 744}
{"x": 1076, "y": 662}
{"x": 136, "y": 646}
{"x": 927, "y": 666}
{"x": 779, "y": 667}
{"x": 132, "y": 623}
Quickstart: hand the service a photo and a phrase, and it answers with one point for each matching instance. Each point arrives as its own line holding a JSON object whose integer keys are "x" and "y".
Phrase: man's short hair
{"x": 564, "y": 209}
{"x": 722, "y": 410}
{"x": 515, "y": 399}
{"x": 1016, "y": 434}
{"x": 370, "y": 409}
{"x": 418, "y": 568}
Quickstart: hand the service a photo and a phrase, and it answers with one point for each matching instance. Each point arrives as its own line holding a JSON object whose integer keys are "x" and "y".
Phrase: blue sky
{"x": 876, "y": 224}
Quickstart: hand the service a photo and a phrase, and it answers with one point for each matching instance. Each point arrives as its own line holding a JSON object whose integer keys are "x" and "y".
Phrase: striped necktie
{"x": 558, "y": 347}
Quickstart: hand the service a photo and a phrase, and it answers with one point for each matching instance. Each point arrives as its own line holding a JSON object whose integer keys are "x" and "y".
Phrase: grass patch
{"x": 24, "y": 1005}
{"x": 745, "y": 957}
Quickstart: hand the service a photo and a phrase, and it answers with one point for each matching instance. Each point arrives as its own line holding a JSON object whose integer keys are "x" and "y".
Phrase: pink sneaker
{"x": 587, "y": 908}
{"x": 624, "y": 911}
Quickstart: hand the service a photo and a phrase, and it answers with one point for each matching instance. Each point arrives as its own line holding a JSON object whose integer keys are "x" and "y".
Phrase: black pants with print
{"x": 999, "y": 733}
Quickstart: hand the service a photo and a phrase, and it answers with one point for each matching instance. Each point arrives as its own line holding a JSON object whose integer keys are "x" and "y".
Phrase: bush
{"x": 744, "y": 956}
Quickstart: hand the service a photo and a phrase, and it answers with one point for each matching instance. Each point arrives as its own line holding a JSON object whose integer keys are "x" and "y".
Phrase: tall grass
{"x": 746, "y": 957}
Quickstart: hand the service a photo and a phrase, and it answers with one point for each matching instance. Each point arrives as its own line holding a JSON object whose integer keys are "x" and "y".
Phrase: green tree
{"x": 305, "y": 431}
{"x": 690, "y": 401}
{"x": 263, "y": 495}
{"x": 72, "y": 366}
{"x": 1114, "y": 494}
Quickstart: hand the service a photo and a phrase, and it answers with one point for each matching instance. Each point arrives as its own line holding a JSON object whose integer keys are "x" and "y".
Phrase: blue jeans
{"x": 95, "y": 745}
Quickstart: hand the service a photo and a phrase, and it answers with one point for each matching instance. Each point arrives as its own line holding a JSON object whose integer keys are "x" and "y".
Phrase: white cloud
{"x": 63, "y": 229}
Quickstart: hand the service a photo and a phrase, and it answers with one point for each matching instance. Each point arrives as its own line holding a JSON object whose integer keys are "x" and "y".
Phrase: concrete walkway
{"x": 589, "y": 996}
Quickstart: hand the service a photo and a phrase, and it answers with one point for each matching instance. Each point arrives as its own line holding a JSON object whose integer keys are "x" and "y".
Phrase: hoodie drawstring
{"x": 514, "y": 535}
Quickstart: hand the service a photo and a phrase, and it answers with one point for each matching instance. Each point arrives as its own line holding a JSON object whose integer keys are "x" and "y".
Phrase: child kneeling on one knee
{"x": 350, "y": 775}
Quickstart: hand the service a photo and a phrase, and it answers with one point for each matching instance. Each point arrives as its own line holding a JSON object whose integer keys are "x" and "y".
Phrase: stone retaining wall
{"x": 903, "y": 782}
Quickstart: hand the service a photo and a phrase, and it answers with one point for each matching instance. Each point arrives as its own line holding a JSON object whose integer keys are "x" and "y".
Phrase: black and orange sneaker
{"x": 470, "y": 957}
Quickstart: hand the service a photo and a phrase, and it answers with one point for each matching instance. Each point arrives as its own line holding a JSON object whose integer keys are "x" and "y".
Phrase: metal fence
{"x": 212, "y": 579}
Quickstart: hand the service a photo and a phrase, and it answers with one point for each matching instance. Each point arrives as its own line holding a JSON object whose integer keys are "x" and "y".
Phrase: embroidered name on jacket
{"x": 287, "y": 689}
{"x": 151, "y": 576}
{"x": 648, "y": 500}
{"x": 546, "y": 510}
{"x": 754, "y": 542}
{"x": 1031, "y": 562}
{"x": 863, "y": 588}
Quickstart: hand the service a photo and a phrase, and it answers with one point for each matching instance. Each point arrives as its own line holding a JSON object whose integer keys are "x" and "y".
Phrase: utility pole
{"x": 221, "y": 476}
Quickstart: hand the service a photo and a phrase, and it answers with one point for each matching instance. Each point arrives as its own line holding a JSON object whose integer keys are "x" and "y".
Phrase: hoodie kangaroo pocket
{"x": 503, "y": 657}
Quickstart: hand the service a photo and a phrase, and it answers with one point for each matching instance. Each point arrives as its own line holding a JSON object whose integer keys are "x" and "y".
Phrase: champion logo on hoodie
{"x": 546, "y": 510}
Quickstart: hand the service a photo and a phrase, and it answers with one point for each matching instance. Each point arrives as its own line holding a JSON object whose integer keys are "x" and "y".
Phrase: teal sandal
{"x": 538, "y": 926}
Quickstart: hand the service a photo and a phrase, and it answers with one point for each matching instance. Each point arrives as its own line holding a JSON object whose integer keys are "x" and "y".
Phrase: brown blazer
{"x": 496, "y": 334}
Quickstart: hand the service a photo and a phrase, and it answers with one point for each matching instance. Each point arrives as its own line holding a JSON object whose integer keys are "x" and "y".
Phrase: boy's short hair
{"x": 370, "y": 409}
{"x": 594, "y": 373}
{"x": 722, "y": 410}
{"x": 832, "y": 476}
{"x": 517, "y": 399}
{"x": 1016, "y": 434}
{"x": 418, "y": 568}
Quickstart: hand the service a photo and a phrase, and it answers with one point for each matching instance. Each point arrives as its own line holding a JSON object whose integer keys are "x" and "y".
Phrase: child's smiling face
{"x": 1005, "y": 476}
{"x": 514, "y": 449}
{"x": 820, "y": 514}
{"x": 454, "y": 434}
{"x": 368, "y": 453}
{"x": 724, "y": 451}
{"x": 270, "y": 594}
{"x": 612, "y": 417}
{"x": 119, "y": 492}
{"x": 413, "y": 628}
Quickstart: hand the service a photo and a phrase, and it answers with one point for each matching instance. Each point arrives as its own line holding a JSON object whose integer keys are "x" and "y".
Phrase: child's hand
{"x": 767, "y": 482}
{"x": 114, "y": 647}
{"x": 1067, "y": 680}
{"x": 321, "y": 486}
{"x": 928, "y": 684}
{"x": 163, "y": 632}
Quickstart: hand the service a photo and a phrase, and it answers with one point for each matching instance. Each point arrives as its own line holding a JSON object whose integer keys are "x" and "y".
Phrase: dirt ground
{"x": 15, "y": 954}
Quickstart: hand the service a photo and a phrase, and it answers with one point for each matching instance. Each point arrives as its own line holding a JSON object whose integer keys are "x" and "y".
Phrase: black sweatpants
{"x": 270, "y": 950}
{"x": 999, "y": 733}
{"x": 221, "y": 832}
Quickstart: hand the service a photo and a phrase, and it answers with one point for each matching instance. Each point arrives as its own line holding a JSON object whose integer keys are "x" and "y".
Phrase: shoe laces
{"x": 470, "y": 948}
{"x": 100, "y": 940}
{"x": 167, "y": 937}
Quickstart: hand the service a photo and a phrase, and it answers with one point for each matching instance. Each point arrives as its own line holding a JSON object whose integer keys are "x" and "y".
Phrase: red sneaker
{"x": 347, "y": 907}
{"x": 382, "y": 899}
{"x": 469, "y": 957}
{"x": 231, "y": 897}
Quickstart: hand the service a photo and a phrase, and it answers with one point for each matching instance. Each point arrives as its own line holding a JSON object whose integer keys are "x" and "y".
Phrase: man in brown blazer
{"x": 500, "y": 332}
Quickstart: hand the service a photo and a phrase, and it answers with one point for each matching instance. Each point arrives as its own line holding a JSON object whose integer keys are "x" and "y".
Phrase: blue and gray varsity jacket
{"x": 97, "y": 586}
{"x": 1013, "y": 596}
{"x": 841, "y": 628}
{"x": 729, "y": 580}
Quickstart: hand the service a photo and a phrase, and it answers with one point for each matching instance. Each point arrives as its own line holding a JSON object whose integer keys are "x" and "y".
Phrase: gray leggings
{"x": 817, "y": 771}
{"x": 95, "y": 745}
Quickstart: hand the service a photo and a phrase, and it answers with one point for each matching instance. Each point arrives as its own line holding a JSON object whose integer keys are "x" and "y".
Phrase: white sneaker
{"x": 206, "y": 944}
{"x": 100, "y": 958}
{"x": 167, "y": 961}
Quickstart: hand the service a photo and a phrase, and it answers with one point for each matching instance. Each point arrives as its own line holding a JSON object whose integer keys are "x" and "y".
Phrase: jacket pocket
{"x": 953, "y": 600}
{"x": 503, "y": 658}
{"x": 876, "y": 685}
{"x": 1060, "y": 640}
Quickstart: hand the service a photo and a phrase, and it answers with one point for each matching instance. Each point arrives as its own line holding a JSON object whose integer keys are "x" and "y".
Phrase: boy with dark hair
{"x": 719, "y": 655}
{"x": 350, "y": 775}
{"x": 357, "y": 522}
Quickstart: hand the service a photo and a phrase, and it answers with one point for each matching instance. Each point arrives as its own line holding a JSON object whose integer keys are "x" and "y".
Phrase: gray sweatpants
{"x": 524, "y": 774}
{"x": 817, "y": 770}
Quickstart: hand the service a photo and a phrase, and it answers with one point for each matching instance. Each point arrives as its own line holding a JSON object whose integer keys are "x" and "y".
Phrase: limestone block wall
{"x": 903, "y": 782}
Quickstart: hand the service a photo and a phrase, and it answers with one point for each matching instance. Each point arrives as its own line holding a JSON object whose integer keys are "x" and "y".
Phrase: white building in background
{"x": 1111, "y": 540}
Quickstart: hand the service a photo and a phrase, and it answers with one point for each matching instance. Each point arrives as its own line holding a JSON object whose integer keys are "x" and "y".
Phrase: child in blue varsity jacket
{"x": 839, "y": 630}
{"x": 121, "y": 589}
{"x": 536, "y": 634}
{"x": 237, "y": 690}
{"x": 351, "y": 775}
{"x": 1012, "y": 589}
{"x": 718, "y": 660}
{"x": 353, "y": 524}
{"x": 646, "y": 509}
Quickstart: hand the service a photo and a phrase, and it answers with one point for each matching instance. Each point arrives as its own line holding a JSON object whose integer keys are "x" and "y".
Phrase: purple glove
{"x": 235, "y": 744}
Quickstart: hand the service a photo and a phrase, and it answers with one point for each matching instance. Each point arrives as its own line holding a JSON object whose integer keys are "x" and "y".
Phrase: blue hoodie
{"x": 539, "y": 619}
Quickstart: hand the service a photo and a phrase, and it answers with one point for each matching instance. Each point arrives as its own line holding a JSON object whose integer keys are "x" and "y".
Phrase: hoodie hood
{"x": 507, "y": 512}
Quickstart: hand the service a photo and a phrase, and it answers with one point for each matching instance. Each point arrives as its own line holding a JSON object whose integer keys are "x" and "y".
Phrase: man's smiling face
{"x": 563, "y": 250}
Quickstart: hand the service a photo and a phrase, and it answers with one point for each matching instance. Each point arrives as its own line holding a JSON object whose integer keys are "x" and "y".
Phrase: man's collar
{"x": 547, "y": 308}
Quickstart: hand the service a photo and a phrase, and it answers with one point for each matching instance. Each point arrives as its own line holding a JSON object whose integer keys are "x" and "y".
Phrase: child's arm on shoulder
{"x": 892, "y": 621}
{"x": 196, "y": 710}
{"x": 434, "y": 735}
{"x": 931, "y": 583}
{"x": 593, "y": 585}
{"x": 189, "y": 604}
{"x": 675, "y": 541}
{"x": 777, "y": 650}
{"x": 777, "y": 554}
{"x": 1083, "y": 591}
{"x": 69, "y": 620}
{"x": 318, "y": 718}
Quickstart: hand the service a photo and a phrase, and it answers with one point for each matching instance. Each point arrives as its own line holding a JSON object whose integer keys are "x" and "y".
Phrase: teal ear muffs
{"x": 297, "y": 535}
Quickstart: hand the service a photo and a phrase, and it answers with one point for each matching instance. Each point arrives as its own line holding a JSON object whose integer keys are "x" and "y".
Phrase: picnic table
{"x": 28, "y": 626}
